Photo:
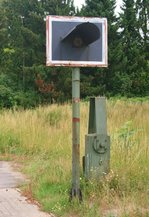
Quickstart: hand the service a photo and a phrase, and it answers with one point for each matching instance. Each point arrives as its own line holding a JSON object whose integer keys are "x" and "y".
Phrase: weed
{"x": 8, "y": 142}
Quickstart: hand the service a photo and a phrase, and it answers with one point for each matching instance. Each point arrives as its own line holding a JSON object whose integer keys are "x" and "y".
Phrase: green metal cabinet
{"x": 97, "y": 142}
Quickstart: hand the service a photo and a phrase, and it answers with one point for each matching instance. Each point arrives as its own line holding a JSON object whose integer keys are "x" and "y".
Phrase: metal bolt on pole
{"x": 75, "y": 191}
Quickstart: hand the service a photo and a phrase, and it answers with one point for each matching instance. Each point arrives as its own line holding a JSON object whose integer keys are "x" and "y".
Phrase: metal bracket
{"x": 76, "y": 193}
{"x": 99, "y": 147}
{"x": 100, "y": 144}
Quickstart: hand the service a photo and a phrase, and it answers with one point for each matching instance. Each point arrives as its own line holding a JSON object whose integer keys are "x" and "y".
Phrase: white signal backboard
{"x": 59, "y": 53}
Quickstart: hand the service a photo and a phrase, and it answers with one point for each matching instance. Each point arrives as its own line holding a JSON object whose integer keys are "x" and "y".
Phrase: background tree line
{"x": 26, "y": 81}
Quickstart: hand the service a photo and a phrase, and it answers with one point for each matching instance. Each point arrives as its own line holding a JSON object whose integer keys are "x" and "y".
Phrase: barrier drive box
{"x": 76, "y": 41}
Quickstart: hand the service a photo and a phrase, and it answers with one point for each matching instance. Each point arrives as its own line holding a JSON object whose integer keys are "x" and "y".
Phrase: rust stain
{"x": 75, "y": 120}
{"x": 47, "y": 36}
{"x": 76, "y": 100}
{"x": 76, "y": 64}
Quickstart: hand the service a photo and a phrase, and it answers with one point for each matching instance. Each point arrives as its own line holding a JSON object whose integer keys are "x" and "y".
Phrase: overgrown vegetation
{"x": 41, "y": 134}
{"x": 41, "y": 140}
{"x": 26, "y": 82}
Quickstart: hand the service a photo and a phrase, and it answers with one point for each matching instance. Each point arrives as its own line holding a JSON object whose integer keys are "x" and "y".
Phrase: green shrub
{"x": 6, "y": 97}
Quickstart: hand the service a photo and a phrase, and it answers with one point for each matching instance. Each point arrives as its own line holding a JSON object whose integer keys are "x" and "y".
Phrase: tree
{"x": 25, "y": 47}
{"x": 103, "y": 79}
{"x": 142, "y": 7}
{"x": 3, "y": 32}
{"x": 132, "y": 60}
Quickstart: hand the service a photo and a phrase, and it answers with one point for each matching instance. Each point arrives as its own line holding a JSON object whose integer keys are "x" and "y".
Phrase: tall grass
{"x": 43, "y": 138}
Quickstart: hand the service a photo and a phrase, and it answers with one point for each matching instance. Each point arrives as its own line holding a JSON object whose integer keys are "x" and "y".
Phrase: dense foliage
{"x": 26, "y": 81}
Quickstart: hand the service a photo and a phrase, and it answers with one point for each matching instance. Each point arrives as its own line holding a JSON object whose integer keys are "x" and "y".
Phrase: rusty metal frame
{"x": 50, "y": 62}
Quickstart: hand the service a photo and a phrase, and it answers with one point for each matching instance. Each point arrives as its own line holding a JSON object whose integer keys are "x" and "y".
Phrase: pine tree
{"x": 26, "y": 44}
{"x": 26, "y": 26}
{"x": 131, "y": 62}
{"x": 3, "y": 33}
{"x": 142, "y": 7}
{"x": 104, "y": 78}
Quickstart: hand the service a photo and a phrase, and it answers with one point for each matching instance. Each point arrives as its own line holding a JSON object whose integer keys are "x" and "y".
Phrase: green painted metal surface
{"x": 75, "y": 191}
{"x": 97, "y": 142}
{"x": 97, "y": 116}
